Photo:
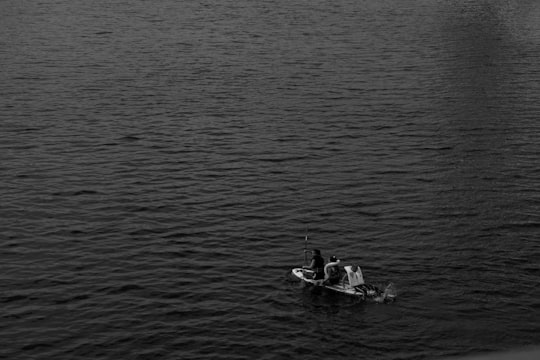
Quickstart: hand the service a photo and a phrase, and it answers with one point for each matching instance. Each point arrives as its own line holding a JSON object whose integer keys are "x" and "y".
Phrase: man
{"x": 331, "y": 271}
{"x": 317, "y": 265}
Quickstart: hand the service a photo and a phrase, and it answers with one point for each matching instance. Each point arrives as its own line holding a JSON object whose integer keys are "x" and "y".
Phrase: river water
{"x": 163, "y": 161}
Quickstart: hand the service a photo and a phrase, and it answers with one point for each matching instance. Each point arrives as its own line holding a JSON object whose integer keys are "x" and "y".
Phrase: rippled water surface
{"x": 162, "y": 161}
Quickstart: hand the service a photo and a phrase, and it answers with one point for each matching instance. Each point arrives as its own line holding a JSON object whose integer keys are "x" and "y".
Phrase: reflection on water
{"x": 482, "y": 84}
{"x": 481, "y": 56}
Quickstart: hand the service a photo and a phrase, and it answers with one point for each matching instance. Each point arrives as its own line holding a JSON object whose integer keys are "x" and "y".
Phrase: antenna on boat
{"x": 305, "y": 247}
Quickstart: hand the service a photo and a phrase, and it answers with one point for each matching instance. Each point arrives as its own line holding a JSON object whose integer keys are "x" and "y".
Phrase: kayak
{"x": 359, "y": 289}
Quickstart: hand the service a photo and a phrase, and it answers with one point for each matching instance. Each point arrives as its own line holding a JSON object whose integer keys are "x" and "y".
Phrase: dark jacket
{"x": 317, "y": 265}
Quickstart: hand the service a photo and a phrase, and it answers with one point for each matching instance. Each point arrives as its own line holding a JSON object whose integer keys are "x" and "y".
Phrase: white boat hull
{"x": 362, "y": 292}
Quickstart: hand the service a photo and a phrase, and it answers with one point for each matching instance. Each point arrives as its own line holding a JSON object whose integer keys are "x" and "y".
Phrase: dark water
{"x": 162, "y": 160}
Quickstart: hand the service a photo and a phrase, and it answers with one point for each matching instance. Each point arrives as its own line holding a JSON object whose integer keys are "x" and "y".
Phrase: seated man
{"x": 317, "y": 265}
{"x": 331, "y": 271}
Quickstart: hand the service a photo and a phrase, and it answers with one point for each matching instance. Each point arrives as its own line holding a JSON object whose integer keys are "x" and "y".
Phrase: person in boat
{"x": 331, "y": 271}
{"x": 316, "y": 265}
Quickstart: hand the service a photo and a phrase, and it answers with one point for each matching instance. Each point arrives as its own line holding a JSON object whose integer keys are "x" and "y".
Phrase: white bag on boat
{"x": 355, "y": 277}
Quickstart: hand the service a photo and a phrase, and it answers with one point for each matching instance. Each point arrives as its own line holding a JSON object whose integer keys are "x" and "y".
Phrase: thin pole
{"x": 305, "y": 250}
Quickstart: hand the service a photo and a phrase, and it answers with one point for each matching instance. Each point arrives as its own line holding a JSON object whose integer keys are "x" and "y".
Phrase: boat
{"x": 351, "y": 284}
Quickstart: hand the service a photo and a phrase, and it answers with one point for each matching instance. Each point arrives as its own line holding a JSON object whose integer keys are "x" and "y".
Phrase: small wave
{"x": 281, "y": 159}
{"x": 36, "y": 346}
{"x": 122, "y": 289}
{"x": 129, "y": 138}
{"x": 72, "y": 299}
{"x": 513, "y": 226}
{"x": 8, "y": 299}
{"x": 76, "y": 192}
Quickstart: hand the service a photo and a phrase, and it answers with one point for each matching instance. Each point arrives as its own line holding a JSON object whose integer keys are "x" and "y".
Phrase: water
{"x": 161, "y": 163}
